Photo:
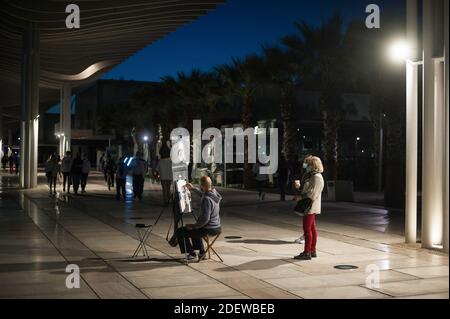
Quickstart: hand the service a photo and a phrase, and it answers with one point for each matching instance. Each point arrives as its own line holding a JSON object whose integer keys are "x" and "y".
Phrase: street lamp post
{"x": 434, "y": 57}
{"x": 380, "y": 154}
{"x": 403, "y": 51}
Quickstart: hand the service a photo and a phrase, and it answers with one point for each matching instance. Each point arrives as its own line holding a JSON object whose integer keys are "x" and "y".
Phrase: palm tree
{"x": 241, "y": 80}
{"x": 323, "y": 59}
{"x": 282, "y": 71}
{"x": 212, "y": 95}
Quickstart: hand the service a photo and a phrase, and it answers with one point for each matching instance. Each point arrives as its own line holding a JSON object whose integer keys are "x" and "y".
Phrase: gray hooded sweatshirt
{"x": 209, "y": 210}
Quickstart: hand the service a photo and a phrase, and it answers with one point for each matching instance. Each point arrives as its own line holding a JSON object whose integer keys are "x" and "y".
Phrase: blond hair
{"x": 305, "y": 159}
{"x": 315, "y": 163}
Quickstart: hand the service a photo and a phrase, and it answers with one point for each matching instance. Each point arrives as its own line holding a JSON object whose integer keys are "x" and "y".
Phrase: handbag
{"x": 303, "y": 206}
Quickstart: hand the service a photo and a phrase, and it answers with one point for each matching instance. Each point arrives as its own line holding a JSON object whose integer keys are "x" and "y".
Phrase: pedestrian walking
{"x": 52, "y": 169}
{"x": 282, "y": 177}
{"x": 261, "y": 179}
{"x": 11, "y": 164}
{"x": 121, "y": 178}
{"x": 164, "y": 171}
{"x": 76, "y": 172}
{"x": 139, "y": 170}
{"x": 66, "y": 167}
{"x": 85, "y": 173}
{"x": 4, "y": 161}
{"x": 110, "y": 170}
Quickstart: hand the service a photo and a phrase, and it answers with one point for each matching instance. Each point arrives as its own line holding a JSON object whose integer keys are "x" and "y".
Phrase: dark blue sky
{"x": 235, "y": 29}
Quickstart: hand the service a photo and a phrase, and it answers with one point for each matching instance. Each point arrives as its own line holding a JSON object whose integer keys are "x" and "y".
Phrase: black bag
{"x": 303, "y": 206}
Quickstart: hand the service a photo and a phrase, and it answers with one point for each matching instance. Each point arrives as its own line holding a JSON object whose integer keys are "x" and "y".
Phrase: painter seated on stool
{"x": 208, "y": 222}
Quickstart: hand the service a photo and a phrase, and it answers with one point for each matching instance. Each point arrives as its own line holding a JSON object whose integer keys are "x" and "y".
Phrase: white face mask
{"x": 305, "y": 166}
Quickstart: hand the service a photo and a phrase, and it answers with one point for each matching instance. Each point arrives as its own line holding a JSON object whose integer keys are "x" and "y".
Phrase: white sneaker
{"x": 300, "y": 240}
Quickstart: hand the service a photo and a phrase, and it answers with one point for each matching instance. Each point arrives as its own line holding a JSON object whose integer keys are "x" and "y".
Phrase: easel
{"x": 181, "y": 208}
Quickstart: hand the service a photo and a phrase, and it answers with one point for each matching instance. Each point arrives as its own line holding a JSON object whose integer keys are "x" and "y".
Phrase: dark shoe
{"x": 173, "y": 241}
{"x": 191, "y": 256}
{"x": 202, "y": 256}
{"x": 303, "y": 256}
{"x": 313, "y": 255}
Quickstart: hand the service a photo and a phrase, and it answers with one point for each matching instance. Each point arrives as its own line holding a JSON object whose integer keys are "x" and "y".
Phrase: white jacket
{"x": 313, "y": 188}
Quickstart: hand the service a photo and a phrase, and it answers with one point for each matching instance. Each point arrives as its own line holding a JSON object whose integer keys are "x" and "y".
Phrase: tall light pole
{"x": 380, "y": 154}
{"x": 402, "y": 51}
{"x": 433, "y": 60}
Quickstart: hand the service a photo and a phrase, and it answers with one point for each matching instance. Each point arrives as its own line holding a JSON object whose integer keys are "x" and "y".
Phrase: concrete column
{"x": 447, "y": 141}
{"x": 1, "y": 132}
{"x": 29, "y": 127}
{"x": 411, "y": 126}
{"x": 65, "y": 120}
{"x": 433, "y": 129}
{"x": 411, "y": 152}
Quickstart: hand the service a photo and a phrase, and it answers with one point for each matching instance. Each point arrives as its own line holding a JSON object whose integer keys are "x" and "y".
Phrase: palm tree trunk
{"x": 289, "y": 147}
{"x": 247, "y": 122}
{"x": 331, "y": 127}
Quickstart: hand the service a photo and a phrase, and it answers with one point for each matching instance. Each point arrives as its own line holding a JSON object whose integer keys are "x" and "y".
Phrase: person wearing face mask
{"x": 312, "y": 193}
{"x": 208, "y": 223}
{"x": 298, "y": 186}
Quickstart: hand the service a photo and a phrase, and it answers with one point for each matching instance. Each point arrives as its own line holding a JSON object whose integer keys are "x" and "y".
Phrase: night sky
{"x": 235, "y": 29}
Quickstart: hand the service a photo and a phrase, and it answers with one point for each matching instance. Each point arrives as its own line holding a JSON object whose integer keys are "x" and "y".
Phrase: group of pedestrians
{"x": 116, "y": 172}
{"x": 11, "y": 163}
{"x": 73, "y": 170}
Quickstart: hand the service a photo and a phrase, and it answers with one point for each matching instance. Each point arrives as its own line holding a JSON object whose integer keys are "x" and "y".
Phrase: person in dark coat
{"x": 76, "y": 172}
{"x": 283, "y": 173}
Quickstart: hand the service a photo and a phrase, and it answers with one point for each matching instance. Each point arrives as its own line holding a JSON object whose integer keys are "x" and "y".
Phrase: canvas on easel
{"x": 184, "y": 197}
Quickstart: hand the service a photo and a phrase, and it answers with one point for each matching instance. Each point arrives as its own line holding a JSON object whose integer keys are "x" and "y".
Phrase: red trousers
{"x": 309, "y": 229}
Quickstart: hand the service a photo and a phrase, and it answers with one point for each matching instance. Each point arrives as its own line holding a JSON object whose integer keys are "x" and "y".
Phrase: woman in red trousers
{"x": 312, "y": 189}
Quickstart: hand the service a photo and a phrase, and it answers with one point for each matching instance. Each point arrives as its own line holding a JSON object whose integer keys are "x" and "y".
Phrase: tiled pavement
{"x": 41, "y": 234}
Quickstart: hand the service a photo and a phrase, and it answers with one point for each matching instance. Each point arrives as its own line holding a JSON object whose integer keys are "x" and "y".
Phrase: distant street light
{"x": 356, "y": 145}
{"x": 399, "y": 51}
{"x": 145, "y": 138}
